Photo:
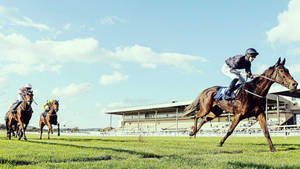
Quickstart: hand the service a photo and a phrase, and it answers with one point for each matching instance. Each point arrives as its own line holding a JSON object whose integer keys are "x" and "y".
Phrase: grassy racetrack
{"x": 148, "y": 152}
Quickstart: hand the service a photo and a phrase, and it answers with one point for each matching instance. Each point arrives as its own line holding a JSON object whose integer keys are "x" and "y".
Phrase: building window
{"x": 149, "y": 115}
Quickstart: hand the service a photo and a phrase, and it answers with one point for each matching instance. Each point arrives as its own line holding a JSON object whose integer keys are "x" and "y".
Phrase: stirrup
{"x": 228, "y": 97}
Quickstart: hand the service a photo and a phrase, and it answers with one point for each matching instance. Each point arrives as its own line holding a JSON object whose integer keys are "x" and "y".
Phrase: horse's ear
{"x": 278, "y": 62}
{"x": 283, "y": 62}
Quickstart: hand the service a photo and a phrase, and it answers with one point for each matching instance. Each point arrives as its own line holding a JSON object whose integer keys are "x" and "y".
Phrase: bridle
{"x": 270, "y": 79}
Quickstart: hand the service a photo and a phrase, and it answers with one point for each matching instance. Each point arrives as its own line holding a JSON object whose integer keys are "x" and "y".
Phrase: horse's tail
{"x": 6, "y": 120}
{"x": 190, "y": 109}
{"x": 6, "y": 116}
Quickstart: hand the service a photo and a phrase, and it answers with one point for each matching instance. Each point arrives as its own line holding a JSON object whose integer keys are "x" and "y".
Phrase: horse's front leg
{"x": 21, "y": 130}
{"x": 24, "y": 129}
{"x": 41, "y": 129}
{"x": 58, "y": 130}
{"x": 235, "y": 122}
{"x": 262, "y": 121}
{"x": 49, "y": 129}
{"x": 9, "y": 129}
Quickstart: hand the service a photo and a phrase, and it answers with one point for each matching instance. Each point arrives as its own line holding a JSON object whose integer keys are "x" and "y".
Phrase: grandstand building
{"x": 168, "y": 117}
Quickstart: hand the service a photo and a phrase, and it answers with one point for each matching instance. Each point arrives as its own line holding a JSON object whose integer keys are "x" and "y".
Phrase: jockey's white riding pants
{"x": 226, "y": 71}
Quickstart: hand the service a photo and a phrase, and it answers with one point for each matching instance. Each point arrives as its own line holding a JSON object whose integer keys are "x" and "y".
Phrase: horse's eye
{"x": 281, "y": 71}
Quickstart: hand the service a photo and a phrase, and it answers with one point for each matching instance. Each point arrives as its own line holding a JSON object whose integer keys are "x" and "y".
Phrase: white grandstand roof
{"x": 150, "y": 107}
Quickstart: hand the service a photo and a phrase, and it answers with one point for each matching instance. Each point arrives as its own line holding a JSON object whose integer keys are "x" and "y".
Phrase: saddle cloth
{"x": 222, "y": 92}
{"x": 44, "y": 114}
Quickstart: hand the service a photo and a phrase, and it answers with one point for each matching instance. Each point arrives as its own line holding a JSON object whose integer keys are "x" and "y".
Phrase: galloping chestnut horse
{"x": 21, "y": 118}
{"x": 250, "y": 101}
{"x": 51, "y": 118}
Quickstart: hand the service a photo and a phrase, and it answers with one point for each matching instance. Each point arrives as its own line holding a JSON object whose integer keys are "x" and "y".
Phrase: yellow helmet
{"x": 51, "y": 100}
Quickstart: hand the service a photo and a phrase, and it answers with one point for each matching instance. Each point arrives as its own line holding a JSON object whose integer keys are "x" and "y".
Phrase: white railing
{"x": 287, "y": 130}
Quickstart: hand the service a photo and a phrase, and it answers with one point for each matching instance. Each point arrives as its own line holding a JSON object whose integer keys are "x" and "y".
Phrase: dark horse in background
{"x": 21, "y": 119}
{"x": 49, "y": 119}
{"x": 250, "y": 101}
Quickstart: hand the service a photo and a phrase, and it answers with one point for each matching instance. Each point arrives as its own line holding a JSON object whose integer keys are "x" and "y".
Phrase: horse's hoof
{"x": 192, "y": 133}
{"x": 273, "y": 149}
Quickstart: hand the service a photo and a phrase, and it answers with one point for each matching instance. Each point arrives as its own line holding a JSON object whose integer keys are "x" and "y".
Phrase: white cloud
{"x": 27, "y": 22}
{"x": 116, "y": 65}
{"x": 72, "y": 91}
{"x": 23, "y": 56}
{"x": 67, "y": 26}
{"x": 294, "y": 51}
{"x": 260, "y": 68}
{"x": 294, "y": 69}
{"x": 288, "y": 28}
{"x": 145, "y": 55}
{"x": 113, "y": 78}
{"x": 149, "y": 65}
{"x": 110, "y": 20}
{"x": 4, "y": 84}
{"x": 111, "y": 106}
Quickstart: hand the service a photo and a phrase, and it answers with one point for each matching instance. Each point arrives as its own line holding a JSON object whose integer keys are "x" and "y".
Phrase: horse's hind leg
{"x": 194, "y": 131}
{"x": 204, "y": 109}
{"x": 236, "y": 120}
{"x": 209, "y": 117}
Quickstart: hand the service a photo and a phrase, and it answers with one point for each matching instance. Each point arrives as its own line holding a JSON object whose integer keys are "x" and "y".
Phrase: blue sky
{"x": 99, "y": 55}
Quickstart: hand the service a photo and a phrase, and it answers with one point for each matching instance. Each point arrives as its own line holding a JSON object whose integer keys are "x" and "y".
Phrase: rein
{"x": 262, "y": 76}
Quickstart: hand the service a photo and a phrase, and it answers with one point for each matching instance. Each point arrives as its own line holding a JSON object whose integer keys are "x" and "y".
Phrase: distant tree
{"x": 75, "y": 129}
{"x": 2, "y": 126}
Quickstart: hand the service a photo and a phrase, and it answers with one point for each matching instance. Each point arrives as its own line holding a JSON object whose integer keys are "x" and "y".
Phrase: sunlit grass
{"x": 148, "y": 152}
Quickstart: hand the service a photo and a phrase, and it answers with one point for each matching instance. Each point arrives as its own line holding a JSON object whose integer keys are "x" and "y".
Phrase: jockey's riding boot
{"x": 231, "y": 89}
{"x": 14, "y": 108}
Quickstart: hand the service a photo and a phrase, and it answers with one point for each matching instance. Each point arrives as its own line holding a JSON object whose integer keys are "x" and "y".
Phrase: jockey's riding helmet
{"x": 251, "y": 52}
{"x": 28, "y": 86}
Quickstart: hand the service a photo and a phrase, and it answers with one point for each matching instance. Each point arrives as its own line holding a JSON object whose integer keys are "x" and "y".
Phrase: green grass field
{"x": 148, "y": 152}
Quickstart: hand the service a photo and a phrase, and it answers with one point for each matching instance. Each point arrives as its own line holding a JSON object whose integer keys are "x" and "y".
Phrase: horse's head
{"x": 280, "y": 74}
{"x": 28, "y": 97}
{"x": 55, "y": 105}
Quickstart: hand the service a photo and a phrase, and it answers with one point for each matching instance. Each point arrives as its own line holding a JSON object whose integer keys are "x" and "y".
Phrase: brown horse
{"x": 250, "y": 101}
{"x": 21, "y": 119}
{"x": 51, "y": 118}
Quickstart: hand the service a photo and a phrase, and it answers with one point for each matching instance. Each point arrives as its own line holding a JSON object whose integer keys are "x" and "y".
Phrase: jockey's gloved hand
{"x": 249, "y": 75}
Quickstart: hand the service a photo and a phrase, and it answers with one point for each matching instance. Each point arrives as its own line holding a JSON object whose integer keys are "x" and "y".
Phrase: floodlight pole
{"x": 176, "y": 121}
{"x": 155, "y": 120}
{"x": 138, "y": 121}
{"x": 266, "y": 110}
{"x": 110, "y": 123}
{"x": 278, "y": 115}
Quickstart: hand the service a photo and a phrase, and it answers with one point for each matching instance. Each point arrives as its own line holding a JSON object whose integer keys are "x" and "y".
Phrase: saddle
{"x": 44, "y": 114}
{"x": 221, "y": 94}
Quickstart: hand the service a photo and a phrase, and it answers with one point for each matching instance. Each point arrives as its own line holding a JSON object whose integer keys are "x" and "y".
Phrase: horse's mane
{"x": 251, "y": 85}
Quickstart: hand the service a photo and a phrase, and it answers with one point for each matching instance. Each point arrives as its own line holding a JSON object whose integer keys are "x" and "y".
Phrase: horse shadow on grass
{"x": 16, "y": 162}
{"x": 283, "y": 147}
{"x": 257, "y": 166}
{"x": 88, "y": 139}
{"x": 143, "y": 154}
